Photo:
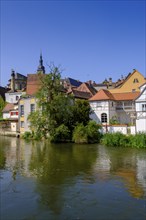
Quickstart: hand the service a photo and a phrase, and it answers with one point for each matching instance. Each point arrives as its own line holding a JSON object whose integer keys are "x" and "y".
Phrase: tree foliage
{"x": 2, "y": 104}
{"x": 87, "y": 134}
{"x": 56, "y": 108}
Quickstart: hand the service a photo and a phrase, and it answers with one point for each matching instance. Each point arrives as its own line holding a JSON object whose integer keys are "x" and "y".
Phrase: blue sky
{"x": 89, "y": 39}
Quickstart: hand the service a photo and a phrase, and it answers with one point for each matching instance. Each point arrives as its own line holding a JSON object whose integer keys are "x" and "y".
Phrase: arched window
{"x": 104, "y": 118}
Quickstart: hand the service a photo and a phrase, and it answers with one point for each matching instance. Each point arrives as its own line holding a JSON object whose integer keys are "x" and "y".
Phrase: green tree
{"x": 56, "y": 108}
{"x": 2, "y": 104}
{"x": 43, "y": 121}
{"x": 79, "y": 113}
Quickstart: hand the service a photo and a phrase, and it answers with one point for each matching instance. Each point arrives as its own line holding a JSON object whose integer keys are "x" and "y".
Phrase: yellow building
{"x": 131, "y": 83}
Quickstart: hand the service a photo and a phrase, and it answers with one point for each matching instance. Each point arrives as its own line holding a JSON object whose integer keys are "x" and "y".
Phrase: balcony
{"x": 125, "y": 108}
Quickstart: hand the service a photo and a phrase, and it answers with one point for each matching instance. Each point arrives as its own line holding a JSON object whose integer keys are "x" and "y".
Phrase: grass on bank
{"x": 120, "y": 140}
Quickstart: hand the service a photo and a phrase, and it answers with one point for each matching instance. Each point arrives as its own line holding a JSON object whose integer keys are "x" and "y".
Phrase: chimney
{"x": 13, "y": 80}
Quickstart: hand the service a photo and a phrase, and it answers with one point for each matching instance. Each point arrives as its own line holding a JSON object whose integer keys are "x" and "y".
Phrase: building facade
{"x": 26, "y": 106}
{"x": 107, "y": 107}
{"x": 140, "y": 104}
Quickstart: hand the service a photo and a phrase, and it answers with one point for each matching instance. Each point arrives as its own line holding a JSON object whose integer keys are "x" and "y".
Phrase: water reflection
{"x": 58, "y": 169}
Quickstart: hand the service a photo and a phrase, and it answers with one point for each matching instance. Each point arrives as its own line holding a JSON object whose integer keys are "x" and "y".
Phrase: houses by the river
{"x": 123, "y": 101}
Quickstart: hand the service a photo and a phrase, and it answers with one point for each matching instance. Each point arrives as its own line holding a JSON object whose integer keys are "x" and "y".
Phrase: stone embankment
{"x": 9, "y": 133}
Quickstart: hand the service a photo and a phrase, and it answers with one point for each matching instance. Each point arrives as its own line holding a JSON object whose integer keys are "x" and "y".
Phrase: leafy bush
{"x": 114, "y": 120}
{"x": 61, "y": 134}
{"x": 115, "y": 139}
{"x": 93, "y": 133}
{"x": 87, "y": 134}
{"x": 27, "y": 135}
{"x": 138, "y": 140}
{"x": 80, "y": 134}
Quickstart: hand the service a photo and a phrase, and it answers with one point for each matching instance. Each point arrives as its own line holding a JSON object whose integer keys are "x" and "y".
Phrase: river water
{"x": 41, "y": 181}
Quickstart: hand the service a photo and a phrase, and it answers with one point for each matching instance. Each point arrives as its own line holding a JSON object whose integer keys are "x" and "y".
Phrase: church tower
{"x": 41, "y": 68}
{"x": 13, "y": 80}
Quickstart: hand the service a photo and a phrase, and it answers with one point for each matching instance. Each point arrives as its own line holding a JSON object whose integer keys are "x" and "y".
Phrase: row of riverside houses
{"x": 123, "y": 101}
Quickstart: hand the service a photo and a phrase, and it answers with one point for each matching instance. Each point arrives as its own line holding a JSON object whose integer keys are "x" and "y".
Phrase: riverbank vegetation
{"x": 120, "y": 140}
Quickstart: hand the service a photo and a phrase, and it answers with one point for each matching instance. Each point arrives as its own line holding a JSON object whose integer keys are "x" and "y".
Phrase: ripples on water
{"x": 43, "y": 181}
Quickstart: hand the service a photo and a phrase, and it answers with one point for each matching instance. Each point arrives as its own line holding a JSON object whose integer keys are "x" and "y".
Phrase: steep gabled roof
{"x": 132, "y": 82}
{"x": 130, "y": 75}
{"x": 102, "y": 95}
{"x": 20, "y": 76}
{"x": 8, "y": 107}
{"x": 85, "y": 87}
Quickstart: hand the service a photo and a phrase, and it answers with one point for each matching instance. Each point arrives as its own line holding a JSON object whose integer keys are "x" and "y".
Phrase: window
{"x": 17, "y": 97}
{"x": 135, "y": 80}
{"x": 143, "y": 107}
{"x": 32, "y": 107}
{"x": 104, "y": 118}
{"x": 21, "y": 110}
{"x": 14, "y": 113}
{"x": 22, "y": 124}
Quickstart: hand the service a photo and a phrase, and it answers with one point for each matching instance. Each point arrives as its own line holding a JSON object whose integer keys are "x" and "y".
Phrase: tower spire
{"x": 41, "y": 68}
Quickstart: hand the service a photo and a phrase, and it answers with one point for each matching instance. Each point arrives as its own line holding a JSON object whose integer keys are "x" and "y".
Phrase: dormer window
{"x": 135, "y": 80}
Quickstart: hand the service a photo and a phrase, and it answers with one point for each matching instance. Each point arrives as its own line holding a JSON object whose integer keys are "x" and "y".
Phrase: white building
{"x": 140, "y": 103}
{"x": 10, "y": 112}
{"x": 106, "y": 106}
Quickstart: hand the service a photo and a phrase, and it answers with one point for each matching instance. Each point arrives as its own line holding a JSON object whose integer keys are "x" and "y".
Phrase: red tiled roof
{"x": 125, "y": 96}
{"x": 102, "y": 95}
{"x": 106, "y": 95}
{"x": 85, "y": 87}
{"x": 8, "y": 107}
